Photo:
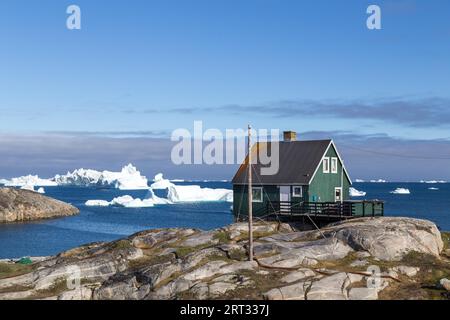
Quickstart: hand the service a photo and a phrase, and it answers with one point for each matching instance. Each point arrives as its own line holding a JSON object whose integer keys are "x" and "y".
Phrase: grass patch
{"x": 260, "y": 285}
{"x": 446, "y": 239}
{"x": 58, "y": 287}
{"x": 425, "y": 284}
{"x": 236, "y": 254}
{"x": 150, "y": 261}
{"x": 122, "y": 244}
{"x": 9, "y": 270}
{"x": 222, "y": 236}
{"x": 182, "y": 252}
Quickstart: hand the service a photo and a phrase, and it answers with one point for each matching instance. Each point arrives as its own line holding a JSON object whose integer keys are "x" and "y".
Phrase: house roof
{"x": 298, "y": 163}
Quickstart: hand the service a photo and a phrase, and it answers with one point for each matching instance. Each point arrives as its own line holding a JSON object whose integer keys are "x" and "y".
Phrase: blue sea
{"x": 94, "y": 224}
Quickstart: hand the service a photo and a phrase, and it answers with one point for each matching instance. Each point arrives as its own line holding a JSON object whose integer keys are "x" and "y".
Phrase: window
{"x": 338, "y": 194}
{"x": 334, "y": 165}
{"x": 297, "y": 191}
{"x": 257, "y": 194}
{"x": 326, "y": 165}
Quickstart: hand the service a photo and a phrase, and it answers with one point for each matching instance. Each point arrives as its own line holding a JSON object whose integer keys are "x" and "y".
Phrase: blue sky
{"x": 148, "y": 67}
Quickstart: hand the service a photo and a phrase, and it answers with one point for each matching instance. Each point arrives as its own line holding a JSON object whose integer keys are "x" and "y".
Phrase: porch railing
{"x": 346, "y": 209}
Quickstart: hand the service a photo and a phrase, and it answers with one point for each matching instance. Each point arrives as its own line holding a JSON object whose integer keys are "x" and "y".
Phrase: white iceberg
{"x": 30, "y": 187}
{"x": 129, "y": 202}
{"x": 401, "y": 191}
{"x": 194, "y": 193}
{"x": 159, "y": 183}
{"x": 359, "y": 180}
{"x": 97, "y": 203}
{"x": 433, "y": 181}
{"x": 29, "y": 180}
{"x": 378, "y": 181}
{"x": 357, "y": 193}
{"x": 129, "y": 178}
{"x": 176, "y": 194}
{"x": 432, "y": 188}
{"x": 190, "y": 193}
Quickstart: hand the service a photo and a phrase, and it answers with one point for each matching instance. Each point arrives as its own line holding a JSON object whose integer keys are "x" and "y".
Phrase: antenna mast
{"x": 250, "y": 197}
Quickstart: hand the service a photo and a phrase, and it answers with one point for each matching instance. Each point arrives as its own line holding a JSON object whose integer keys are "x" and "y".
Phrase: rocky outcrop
{"x": 17, "y": 205}
{"x": 191, "y": 264}
{"x": 389, "y": 238}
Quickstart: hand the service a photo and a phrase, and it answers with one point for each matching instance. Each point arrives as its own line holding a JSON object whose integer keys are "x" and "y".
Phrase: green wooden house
{"x": 312, "y": 179}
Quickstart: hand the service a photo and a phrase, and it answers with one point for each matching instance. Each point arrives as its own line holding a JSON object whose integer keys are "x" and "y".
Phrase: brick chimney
{"x": 289, "y": 136}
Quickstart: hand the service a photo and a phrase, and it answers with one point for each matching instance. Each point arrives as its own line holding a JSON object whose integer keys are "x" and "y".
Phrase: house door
{"x": 337, "y": 194}
{"x": 285, "y": 198}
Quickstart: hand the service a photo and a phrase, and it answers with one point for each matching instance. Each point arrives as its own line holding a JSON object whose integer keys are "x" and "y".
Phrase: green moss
{"x": 260, "y": 284}
{"x": 182, "y": 252}
{"x": 222, "y": 236}
{"x": 122, "y": 244}
{"x": 58, "y": 287}
{"x": 8, "y": 270}
{"x": 236, "y": 254}
{"x": 150, "y": 261}
{"x": 446, "y": 239}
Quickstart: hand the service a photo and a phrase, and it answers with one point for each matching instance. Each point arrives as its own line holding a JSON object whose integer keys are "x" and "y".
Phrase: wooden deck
{"x": 326, "y": 210}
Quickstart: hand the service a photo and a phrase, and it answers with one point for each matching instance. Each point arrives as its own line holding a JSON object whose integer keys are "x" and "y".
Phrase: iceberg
{"x": 356, "y": 193}
{"x": 359, "y": 180}
{"x": 401, "y": 191}
{"x": 176, "y": 194}
{"x": 433, "y": 181}
{"x": 159, "y": 183}
{"x": 194, "y": 193}
{"x": 190, "y": 193}
{"x": 97, "y": 203}
{"x": 129, "y": 178}
{"x": 129, "y": 202}
{"x": 378, "y": 181}
{"x": 432, "y": 188}
{"x": 30, "y": 187}
{"x": 29, "y": 180}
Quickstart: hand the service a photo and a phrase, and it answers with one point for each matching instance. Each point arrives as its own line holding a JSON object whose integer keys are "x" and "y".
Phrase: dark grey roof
{"x": 298, "y": 163}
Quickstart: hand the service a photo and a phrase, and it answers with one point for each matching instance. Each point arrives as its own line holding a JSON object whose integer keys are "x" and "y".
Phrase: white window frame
{"x": 297, "y": 195}
{"x": 334, "y": 169}
{"x": 254, "y": 200}
{"x": 327, "y": 160}
{"x": 341, "y": 199}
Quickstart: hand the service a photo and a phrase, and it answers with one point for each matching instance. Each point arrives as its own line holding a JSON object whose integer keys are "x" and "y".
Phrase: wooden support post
{"x": 250, "y": 197}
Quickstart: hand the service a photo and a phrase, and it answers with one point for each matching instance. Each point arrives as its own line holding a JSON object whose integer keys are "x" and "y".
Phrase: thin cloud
{"x": 419, "y": 113}
{"x": 366, "y": 156}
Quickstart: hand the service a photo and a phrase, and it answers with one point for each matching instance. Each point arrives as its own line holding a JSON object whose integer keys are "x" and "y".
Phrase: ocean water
{"x": 93, "y": 224}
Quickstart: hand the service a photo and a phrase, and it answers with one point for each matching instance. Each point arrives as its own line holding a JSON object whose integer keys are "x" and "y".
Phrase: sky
{"x": 113, "y": 92}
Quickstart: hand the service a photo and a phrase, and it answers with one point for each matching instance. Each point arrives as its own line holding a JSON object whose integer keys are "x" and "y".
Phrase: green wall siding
{"x": 323, "y": 185}
{"x": 272, "y": 193}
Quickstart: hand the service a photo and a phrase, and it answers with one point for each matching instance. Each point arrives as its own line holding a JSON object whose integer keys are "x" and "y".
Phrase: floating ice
{"x": 176, "y": 194}
{"x": 433, "y": 181}
{"x": 190, "y": 193}
{"x": 97, "y": 203}
{"x": 356, "y": 193}
{"x": 128, "y": 179}
{"x": 129, "y": 202}
{"x": 432, "y": 188}
{"x": 401, "y": 191}
{"x": 28, "y": 181}
{"x": 378, "y": 181}
{"x": 195, "y": 193}
{"x": 30, "y": 187}
{"x": 359, "y": 180}
{"x": 160, "y": 183}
